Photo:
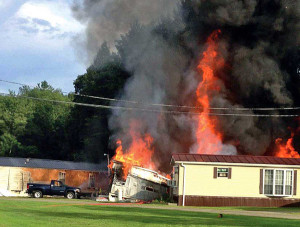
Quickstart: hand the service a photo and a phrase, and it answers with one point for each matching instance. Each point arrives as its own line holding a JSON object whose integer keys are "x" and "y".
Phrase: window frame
{"x": 172, "y": 183}
{"x": 284, "y": 182}
{"x": 92, "y": 175}
{"x": 176, "y": 169}
{"x": 175, "y": 176}
{"x": 62, "y": 173}
{"x": 227, "y": 173}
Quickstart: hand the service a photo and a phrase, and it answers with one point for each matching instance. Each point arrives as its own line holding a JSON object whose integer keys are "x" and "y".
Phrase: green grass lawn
{"x": 289, "y": 210}
{"x": 17, "y": 212}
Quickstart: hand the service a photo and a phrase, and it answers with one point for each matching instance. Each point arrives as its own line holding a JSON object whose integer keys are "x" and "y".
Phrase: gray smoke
{"x": 232, "y": 12}
{"x": 258, "y": 35}
{"x": 152, "y": 61}
{"x": 256, "y": 71}
{"x": 107, "y": 19}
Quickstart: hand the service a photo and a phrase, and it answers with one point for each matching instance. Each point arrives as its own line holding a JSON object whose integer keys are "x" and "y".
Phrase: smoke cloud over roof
{"x": 160, "y": 43}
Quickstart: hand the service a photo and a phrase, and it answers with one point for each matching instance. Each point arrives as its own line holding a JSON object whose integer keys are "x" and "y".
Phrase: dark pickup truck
{"x": 55, "y": 188}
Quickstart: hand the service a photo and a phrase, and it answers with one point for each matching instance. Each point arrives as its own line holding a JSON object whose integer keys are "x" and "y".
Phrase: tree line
{"x": 41, "y": 129}
{"x": 38, "y": 129}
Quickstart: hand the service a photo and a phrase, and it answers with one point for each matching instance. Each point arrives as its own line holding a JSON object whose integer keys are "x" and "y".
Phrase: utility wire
{"x": 146, "y": 110}
{"x": 167, "y": 105}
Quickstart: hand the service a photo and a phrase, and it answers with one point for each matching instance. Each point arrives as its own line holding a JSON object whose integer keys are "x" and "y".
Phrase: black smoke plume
{"x": 160, "y": 43}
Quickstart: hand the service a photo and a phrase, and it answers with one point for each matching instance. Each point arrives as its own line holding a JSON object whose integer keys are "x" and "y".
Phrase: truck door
{"x": 57, "y": 188}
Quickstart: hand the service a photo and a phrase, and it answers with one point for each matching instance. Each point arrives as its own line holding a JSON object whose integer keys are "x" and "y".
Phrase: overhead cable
{"x": 146, "y": 110}
{"x": 168, "y": 105}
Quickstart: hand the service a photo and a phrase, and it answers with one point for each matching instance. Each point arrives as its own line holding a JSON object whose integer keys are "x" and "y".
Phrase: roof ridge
{"x": 51, "y": 164}
{"x": 47, "y": 159}
{"x": 247, "y": 155}
{"x": 241, "y": 159}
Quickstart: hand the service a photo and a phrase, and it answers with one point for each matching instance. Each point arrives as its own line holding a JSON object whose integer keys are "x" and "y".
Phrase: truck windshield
{"x": 58, "y": 184}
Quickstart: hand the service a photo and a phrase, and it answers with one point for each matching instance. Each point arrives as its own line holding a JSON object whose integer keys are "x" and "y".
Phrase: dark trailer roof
{"x": 243, "y": 159}
{"x": 50, "y": 164}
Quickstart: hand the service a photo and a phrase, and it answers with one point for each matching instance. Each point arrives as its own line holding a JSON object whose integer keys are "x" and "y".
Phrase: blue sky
{"x": 37, "y": 42}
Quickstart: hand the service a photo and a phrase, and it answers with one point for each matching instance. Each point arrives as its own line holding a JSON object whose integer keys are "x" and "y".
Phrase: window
{"x": 288, "y": 182}
{"x": 278, "y": 182}
{"x": 172, "y": 183}
{"x": 58, "y": 184}
{"x": 62, "y": 177}
{"x": 268, "y": 184}
{"x": 91, "y": 180}
{"x": 149, "y": 188}
{"x": 223, "y": 172}
{"x": 175, "y": 169}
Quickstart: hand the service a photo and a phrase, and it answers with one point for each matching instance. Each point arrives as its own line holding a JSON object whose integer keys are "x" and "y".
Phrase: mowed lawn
{"x": 22, "y": 212}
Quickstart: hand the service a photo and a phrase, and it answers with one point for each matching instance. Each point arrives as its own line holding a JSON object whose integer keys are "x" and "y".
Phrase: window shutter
{"x": 229, "y": 173}
{"x": 261, "y": 182}
{"x": 215, "y": 172}
{"x": 295, "y": 182}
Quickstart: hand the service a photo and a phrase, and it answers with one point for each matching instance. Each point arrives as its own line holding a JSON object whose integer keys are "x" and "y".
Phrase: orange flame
{"x": 139, "y": 152}
{"x": 286, "y": 150}
{"x": 209, "y": 140}
{"x": 168, "y": 176}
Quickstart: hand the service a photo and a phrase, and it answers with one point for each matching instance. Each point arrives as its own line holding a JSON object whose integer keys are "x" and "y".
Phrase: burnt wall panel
{"x": 76, "y": 178}
{"x": 42, "y": 175}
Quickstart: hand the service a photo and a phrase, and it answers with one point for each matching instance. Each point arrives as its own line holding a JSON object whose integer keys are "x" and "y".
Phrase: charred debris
{"x": 139, "y": 185}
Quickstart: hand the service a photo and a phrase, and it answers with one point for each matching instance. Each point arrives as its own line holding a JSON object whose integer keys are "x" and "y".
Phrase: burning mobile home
{"x": 210, "y": 79}
{"x": 202, "y": 80}
{"x": 139, "y": 184}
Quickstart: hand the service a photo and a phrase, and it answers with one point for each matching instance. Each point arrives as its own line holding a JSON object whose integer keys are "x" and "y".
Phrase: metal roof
{"x": 51, "y": 164}
{"x": 235, "y": 159}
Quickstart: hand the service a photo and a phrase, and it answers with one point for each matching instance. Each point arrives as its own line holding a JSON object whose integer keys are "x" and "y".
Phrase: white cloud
{"x": 57, "y": 13}
{"x": 36, "y": 43}
{"x": 48, "y": 24}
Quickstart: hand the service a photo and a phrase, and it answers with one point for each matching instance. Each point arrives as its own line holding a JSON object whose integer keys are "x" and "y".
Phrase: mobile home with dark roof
{"x": 15, "y": 173}
{"x": 239, "y": 180}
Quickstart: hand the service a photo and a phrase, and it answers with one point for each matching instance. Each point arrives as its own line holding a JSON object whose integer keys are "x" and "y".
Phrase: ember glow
{"x": 139, "y": 152}
{"x": 209, "y": 140}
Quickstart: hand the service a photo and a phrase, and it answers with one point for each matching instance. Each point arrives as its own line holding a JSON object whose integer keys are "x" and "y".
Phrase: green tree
{"x": 14, "y": 114}
{"x": 88, "y": 130}
{"x": 31, "y": 128}
{"x": 45, "y": 129}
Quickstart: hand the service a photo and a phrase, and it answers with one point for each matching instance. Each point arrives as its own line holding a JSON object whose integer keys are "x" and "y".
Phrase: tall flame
{"x": 286, "y": 149}
{"x": 139, "y": 152}
{"x": 209, "y": 140}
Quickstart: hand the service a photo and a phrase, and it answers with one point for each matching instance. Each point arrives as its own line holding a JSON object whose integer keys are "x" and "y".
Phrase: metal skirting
{"x": 214, "y": 201}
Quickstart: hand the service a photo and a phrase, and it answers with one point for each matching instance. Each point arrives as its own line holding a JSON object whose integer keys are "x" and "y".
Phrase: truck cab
{"x": 56, "y": 187}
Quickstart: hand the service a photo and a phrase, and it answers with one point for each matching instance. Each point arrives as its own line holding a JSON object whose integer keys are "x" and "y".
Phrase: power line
{"x": 168, "y": 105}
{"x": 146, "y": 110}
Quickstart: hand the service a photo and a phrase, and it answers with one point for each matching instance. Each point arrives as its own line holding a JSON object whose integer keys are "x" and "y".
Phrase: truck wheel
{"x": 70, "y": 195}
{"x": 38, "y": 194}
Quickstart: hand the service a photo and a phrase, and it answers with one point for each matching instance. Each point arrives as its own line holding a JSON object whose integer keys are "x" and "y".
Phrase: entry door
{"x": 57, "y": 188}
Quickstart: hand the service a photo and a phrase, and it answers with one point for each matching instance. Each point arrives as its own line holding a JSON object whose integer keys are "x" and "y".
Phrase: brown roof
{"x": 235, "y": 159}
